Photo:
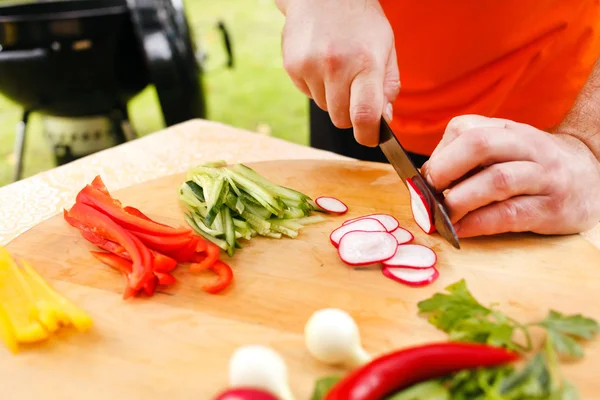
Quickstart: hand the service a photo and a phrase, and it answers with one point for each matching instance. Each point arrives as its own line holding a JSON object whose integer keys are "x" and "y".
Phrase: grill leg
{"x": 20, "y": 145}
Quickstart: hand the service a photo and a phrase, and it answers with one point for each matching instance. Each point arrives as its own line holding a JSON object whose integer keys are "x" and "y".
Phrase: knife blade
{"x": 399, "y": 159}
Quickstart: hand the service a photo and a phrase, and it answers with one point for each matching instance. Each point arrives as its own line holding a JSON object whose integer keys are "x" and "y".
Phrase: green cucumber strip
{"x": 288, "y": 223}
{"x": 284, "y": 230}
{"x": 216, "y": 199}
{"x": 313, "y": 219}
{"x": 294, "y": 213}
{"x": 221, "y": 243}
{"x": 241, "y": 224}
{"x": 239, "y": 206}
{"x": 202, "y": 226}
{"x": 259, "y": 211}
{"x": 266, "y": 199}
{"x": 277, "y": 190}
{"x": 196, "y": 189}
{"x": 261, "y": 226}
{"x": 274, "y": 235}
{"x": 236, "y": 190}
{"x": 229, "y": 230}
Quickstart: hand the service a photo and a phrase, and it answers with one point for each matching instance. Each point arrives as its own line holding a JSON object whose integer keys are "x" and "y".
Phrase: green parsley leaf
{"x": 460, "y": 315}
{"x": 430, "y": 390}
{"x": 323, "y": 386}
{"x": 563, "y": 330}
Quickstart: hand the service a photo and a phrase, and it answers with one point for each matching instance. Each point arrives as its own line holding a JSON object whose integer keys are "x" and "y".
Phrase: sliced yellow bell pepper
{"x": 7, "y": 332}
{"x": 66, "y": 311}
{"x": 18, "y": 302}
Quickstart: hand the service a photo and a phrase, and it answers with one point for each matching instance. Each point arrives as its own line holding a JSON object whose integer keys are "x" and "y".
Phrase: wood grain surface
{"x": 178, "y": 343}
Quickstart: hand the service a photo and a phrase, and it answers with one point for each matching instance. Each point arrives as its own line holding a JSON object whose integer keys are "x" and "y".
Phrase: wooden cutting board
{"x": 178, "y": 342}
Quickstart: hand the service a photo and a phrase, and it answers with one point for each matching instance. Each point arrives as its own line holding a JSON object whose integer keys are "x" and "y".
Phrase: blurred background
{"x": 61, "y": 61}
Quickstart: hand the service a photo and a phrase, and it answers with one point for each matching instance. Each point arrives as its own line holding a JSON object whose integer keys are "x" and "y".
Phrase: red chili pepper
{"x": 400, "y": 369}
{"x": 94, "y": 198}
{"x": 105, "y": 227}
{"x": 225, "y": 276}
{"x": 212, "y": 256}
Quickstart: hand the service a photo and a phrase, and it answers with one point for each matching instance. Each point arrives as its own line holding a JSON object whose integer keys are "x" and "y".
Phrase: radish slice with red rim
{"x": 414, "y": 256}
{"x": 420, "y": 208}
{"x": 331, "y": 204}
{"x": 403, "y": 236}
{"x": 390, "y": 223}
{"x": 411, "y": 277}
{"x": 366, "y": 224}
{"x": 360, "y": 248}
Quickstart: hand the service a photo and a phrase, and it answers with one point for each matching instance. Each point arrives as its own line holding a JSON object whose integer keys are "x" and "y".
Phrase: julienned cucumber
{"x": 227, "y": 203}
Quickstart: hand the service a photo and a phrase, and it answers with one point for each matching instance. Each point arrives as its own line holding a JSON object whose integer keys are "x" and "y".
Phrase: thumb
{"x": 391, "y": 82}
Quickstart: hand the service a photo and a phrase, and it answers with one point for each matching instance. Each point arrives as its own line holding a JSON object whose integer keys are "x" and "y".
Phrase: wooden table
{"x": 211, "y": 320}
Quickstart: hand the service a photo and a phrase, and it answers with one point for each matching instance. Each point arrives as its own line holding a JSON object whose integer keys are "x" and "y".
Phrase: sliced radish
{"x": 390, "y": 223}
{"x": 411, "y": 277}
{"x": 402, "y": 235}
{"x": 415, "y": 256}
{"x": 360, "y": 248}
{"x": 420, "y": 208}
{"x": 331, "y": 204}
{"x": 366, "y": 224}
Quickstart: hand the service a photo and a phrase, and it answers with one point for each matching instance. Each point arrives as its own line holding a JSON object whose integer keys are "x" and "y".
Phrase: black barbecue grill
{"x": 79, "y": 62}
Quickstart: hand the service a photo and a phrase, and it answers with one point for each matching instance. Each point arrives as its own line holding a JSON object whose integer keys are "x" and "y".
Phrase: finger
{"x": 517, "y": 214}
{"x": 475, "y": 148}
{"x": 337, "y": 94}
{"x": 301, "y": 85}
{"x": 391, "y": 83}
{"x": 367, "y": 106}
{"x": 496, "y": 183}
{"x": 317, "y": 92}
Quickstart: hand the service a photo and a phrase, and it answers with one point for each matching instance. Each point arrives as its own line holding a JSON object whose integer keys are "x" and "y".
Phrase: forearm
{"x": 583, "y": 121}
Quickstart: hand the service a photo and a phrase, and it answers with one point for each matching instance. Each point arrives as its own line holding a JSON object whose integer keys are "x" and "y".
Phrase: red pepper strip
{"x": 92, "y": 237}
{"x": 212, "y": 256}
{"x": 186, "y": 253}
{"x": 163, "y": 243}
{"x": 134, "y": 211}
{"x": 163, "y": 263}
{"x": 121, "y": 265}
{"x": 225, "y": 276}
{"x": 98, "y": 183}
{"x": 105, "y": 227}
{"x": 112, "y": 260}
{"x": 400, "y": 369}
{"x": 150, "y": 286}
{"x": 165, "y": 278}
{"x": 94, "y": 198}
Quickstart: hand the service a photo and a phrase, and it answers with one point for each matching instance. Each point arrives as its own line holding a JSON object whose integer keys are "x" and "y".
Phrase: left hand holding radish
{"x": 505, "y": 176}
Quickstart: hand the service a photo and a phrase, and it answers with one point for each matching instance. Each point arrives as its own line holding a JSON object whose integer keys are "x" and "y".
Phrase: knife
{"x": 396, "y": 155}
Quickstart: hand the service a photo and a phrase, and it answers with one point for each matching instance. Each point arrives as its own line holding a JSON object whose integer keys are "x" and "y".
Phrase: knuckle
{"x": 364, "y": 114}
{"x": 502, "y": 180}
{"x": 509, "y": 213}
{"x": 480, "y": 141}
{"x": 333, "y": 59}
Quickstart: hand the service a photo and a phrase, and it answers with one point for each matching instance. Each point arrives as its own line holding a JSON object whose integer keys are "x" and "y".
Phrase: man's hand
{"x": 505, "y": 176}
{"x": 341, "y": 54}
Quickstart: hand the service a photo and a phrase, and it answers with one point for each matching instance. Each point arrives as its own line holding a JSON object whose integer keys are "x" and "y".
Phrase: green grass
{"x": 256, "y": 95}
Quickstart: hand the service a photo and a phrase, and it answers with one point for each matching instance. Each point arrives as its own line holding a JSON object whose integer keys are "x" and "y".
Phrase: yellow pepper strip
{"x": 7, "y": 332}
{"x": 64, "y": 309}
{"x": 16, "y": 298}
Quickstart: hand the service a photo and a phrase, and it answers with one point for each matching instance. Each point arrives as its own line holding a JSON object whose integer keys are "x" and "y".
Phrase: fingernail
{"x": 389, "y": 112}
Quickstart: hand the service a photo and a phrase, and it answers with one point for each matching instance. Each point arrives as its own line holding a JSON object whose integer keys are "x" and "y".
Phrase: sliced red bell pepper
{"x": 150, "y": 286}
{"x": 112, "y": 260}
{"x": 163, "y": 263}
{"x": 106, "y": 228}
{"x": 224, "y": 278}
{"x": 134, "y": 211}
{"x": 165, "y": 278}
{"x": 200, "y": 263}
{"x": 186, "y": 253}
{"x": 163, "y": 243}
{"x": 94, "y": 198}
{"x": 92, "y": 237}
{"x": 98, "y": 183}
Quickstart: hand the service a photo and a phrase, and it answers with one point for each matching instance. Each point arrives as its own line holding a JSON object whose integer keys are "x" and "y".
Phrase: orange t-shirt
{"x": 525, "y": 60}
